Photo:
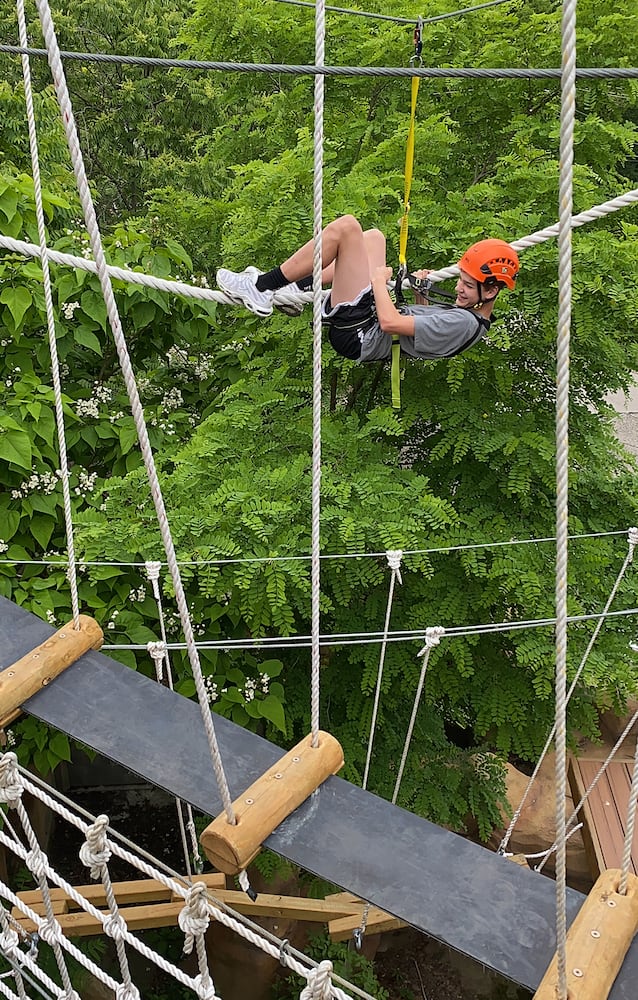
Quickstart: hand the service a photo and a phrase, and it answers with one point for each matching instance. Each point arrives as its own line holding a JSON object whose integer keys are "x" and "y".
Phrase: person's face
{"x": 467, "y": 293}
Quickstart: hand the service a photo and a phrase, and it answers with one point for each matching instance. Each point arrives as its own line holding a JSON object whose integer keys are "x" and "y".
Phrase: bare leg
{"x": 353, "y": 254}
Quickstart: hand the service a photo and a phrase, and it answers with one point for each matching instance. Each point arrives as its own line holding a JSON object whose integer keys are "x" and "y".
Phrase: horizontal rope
{"x": 541, "y": 235}
{"x": 62, "y": 563}
{"x": 283, "y": 296}
{"x": 595, "y": 73}
{"x": 396, "y": 20}
{"x": 365, "y": 638}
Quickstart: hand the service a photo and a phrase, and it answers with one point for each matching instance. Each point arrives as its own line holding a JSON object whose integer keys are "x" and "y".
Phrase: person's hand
{"x": 422, "y": 273}
{"x": 383, "y": 274}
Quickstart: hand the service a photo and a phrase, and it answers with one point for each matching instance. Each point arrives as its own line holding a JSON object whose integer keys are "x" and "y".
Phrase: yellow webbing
{"x": 409, "y": 164}
{"x": 403, "y": 239}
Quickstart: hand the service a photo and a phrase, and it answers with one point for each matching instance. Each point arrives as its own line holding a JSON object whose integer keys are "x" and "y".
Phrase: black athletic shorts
{"x": 348, "y": 323}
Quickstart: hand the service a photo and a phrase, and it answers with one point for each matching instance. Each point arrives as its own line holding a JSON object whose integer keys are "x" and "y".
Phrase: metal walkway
{"x": 457, "y": 892}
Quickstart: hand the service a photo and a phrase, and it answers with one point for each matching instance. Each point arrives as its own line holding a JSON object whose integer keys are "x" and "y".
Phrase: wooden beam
{"x": 143, "y": 890}
{"x": 158, "y": 908}
{"x": 38, "y": 668}
{"x": 597, "y": 942}
{"x": 267, "y": 803}
{"x": 342, "y": 928}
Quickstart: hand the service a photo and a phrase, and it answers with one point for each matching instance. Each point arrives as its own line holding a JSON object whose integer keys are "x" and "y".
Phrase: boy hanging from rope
{"x": 360, "y": 315}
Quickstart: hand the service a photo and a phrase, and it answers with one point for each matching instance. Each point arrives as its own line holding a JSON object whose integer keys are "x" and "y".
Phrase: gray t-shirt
{"x": 439, "y": 332}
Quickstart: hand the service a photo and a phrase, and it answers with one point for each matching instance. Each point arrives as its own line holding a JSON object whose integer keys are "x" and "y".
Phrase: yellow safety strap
{"x": 403, "y": 240}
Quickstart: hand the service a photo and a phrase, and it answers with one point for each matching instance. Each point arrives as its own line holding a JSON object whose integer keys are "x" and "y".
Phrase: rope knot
{"x": 115, "y": 927}
{"x": 9, "y": 942}
{"x": 50, "y": 932}
{"x": 319, "y": 983}
{"x": 195, "y": 917}
{"x": 37, "y": 862}
{"x": 127, "y": 991}
{"x": 633, "y": 541}
{"x": 394, "y": 557}
{"x": 157, "y": 650}
{"x": 433, "y": 637}
{"x": 10, "y": 781}
{"x": 153, "y": 570}
{"x": 96, "y": 853}
{"x": 205, "y": 988}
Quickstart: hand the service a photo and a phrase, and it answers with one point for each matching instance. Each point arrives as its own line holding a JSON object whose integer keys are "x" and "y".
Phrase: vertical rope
{"x": 161, "y": 657}
{"x": 95, "y": 853}
{"x": 194, "y": 919}
{"x": 631, "y": 826}
{"x": 394, "y": 557}
{"x": 86, "y": 199}
{"x": 567, "y": 118}
{"x": 48, "y": 300}
{"x": 432, "y": 639}
{"x": 320, "y": 35}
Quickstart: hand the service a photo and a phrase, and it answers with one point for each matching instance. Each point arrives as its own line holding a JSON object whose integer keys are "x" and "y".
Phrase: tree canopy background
{"x": 193, "y": 169}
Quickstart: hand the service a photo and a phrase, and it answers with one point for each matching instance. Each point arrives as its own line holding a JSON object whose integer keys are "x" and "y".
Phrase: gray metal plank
{"x": 481, "y": 905}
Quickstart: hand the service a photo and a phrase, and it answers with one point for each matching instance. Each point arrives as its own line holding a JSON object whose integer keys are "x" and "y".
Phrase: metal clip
{"x": 416, "y": 59}
{"x": 284, "y": 950}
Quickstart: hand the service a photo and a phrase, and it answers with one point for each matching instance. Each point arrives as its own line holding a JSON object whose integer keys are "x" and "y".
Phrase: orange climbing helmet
{"x": 490, "y": 261}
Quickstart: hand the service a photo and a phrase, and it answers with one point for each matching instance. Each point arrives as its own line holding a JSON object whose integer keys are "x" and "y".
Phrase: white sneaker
{"x": 241, "y": 288}
{"x": 287, "y": 300}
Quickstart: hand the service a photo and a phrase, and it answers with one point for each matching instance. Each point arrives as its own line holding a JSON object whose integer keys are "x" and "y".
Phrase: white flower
{"x": 3, "y": 545}
{"x": 68, "y": 308}
{"x": 87, "y": 408}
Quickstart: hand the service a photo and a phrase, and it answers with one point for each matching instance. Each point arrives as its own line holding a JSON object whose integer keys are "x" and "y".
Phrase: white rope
{"x": 194, "y": 920}
{"x": 319, "y": 984}
{"x": 361, "y": 638}
{"x": 161, "y": 657}
{"x": 394, "y": 557}
{"x": 342, "y": 556}
{"x": 630, "y": 828}
{"x": 317, "y": 299}
{"x": 9, "y": 949}
{"x": 48, "y": 300}
{"x": 183, "y": 289}
{"x": 632, "y": 541}
{"x": 567, "y": 120}
{"x": 11, "y": 789}
{"x": 542, "y": 235}
{"x": 95, "y": 853}
{"x": 131, "y": 386}
{"x": 432, "y": 638}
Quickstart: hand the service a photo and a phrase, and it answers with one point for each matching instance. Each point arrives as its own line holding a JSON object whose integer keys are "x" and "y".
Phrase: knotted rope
{"x": 95, "y": 853}
{"x": 394, "y": 557}
{"x": 319, "y": 983}
{"x": 433, "y": 637}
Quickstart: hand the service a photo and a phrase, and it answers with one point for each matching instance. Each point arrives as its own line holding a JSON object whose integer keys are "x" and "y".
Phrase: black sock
{"x": 271, "y": 280}
{"x": 305, "y": 284}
